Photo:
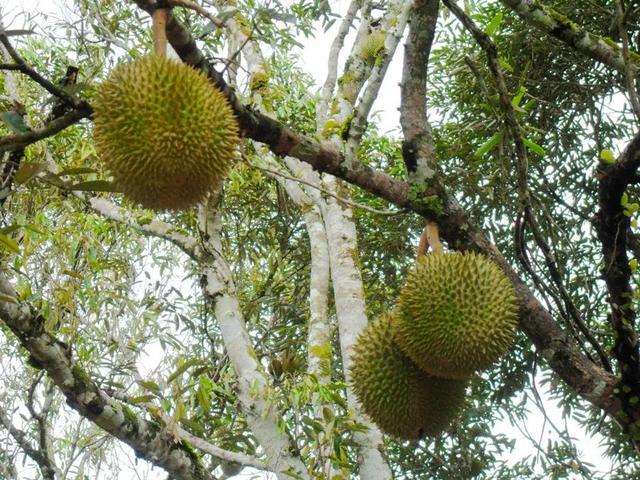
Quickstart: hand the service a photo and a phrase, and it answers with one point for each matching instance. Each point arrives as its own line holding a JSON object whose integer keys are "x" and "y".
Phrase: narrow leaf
{"x": 95, "y": 186}
{"x": 494, "y": 24}
{"x": 149, "y": 385}
{"x": 182, "y": 368}
{"x": 9, "y": 243}
{"x": 487, "y": 146}
{"x": 14, "y": 121}
{"x": 534, "y": 147}
{"x": 77, "y": 171}
{"x": 27, "y": 171}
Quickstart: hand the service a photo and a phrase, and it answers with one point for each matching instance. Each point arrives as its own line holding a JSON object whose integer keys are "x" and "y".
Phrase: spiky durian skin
{"x": 164, "y": 131}
{"x": 401, "y": 399}
{"x": 457, "y": 314}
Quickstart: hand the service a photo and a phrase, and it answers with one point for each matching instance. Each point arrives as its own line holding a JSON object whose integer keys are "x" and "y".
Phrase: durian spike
{"x": 430, "y": 238}
{"x": 160, "y": 17}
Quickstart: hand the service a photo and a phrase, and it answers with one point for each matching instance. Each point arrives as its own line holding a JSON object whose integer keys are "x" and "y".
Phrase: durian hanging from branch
{"x": 164, "y": 131}
{"x": 457, "y": 313}
{"x": 401, "y": 399}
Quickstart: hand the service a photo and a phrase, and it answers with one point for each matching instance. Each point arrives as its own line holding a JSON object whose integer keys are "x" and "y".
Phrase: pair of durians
{"x": 455, "y": 316}
{"x": 164, "y": 131}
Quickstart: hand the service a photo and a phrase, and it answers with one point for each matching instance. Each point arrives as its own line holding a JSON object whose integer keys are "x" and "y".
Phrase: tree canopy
{"x": 220, "y": 337}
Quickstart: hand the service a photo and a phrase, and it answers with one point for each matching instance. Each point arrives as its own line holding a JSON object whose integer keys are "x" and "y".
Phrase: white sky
{"x": 315, "y": 58}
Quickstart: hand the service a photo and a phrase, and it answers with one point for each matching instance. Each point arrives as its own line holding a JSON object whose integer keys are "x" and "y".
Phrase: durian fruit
{"x": 164, "y": 131}
{"x": 401, "y": 399}
{"x": 457, "y": 314}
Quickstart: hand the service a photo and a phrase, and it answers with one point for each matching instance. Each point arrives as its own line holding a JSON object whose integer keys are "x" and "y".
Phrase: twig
{"x": 326, "y": 192}
{"x": 14, "y": 142}
{"x": 198, "y": 9}
{"x": 26, "y": 69}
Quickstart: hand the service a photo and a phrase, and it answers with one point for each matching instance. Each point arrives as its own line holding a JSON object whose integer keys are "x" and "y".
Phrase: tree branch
{"x": 154, "y": 228}
{"x": 612, "y": 226}
{"x": 15, "y": 142}
{"x": 43, "y": 462}
{"x": 150, "y": 440}
{"x": 417, "y": 146}
{"x": 26, "y": 69}
{"x": 554, "y": 23}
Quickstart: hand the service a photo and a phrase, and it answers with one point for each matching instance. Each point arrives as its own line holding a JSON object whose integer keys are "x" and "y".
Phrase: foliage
{"x": 133, "y": 306}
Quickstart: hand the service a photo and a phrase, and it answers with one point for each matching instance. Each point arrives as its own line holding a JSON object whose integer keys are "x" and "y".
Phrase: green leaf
{"x": 14, "y": 121}
{"x": 95, "y": 186}
{"x": 494, "y": 24}
{"x": 505, "y": 65}
{"x": 534, "y": 147}
{"x": 77, "y": 171}
{"x": 327, "y": 414}
{"x": 141, "y": 399}
{"x": 487, "y": 146}
{"x": 183, "y": 368}
{"x": 606, "y": 156}
{"x": 150, "y": 385}
{"x": 192, "y": 425}
{"x": 10, "y": 229}
{"x": 624, "y": 199}
{"x": 204, "y": 399}
{"x": 633, "y": 264}
{"x": 27, "y": 171}
{"x": 9, "y": 243}
{"x": 73, "y": 274}
{"x": 515, "y": 101}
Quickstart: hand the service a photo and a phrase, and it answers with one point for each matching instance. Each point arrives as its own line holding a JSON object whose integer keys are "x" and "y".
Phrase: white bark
{"x": 352, "y": 318}
{"x": 319, "y": 327}
{"x": 257, "y": 397}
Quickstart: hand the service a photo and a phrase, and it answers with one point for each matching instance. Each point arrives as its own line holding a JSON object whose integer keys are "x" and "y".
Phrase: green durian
{"x": 164, "y": 131}
{"x": 457, "y": 314}
{"x": 401, "y": 399}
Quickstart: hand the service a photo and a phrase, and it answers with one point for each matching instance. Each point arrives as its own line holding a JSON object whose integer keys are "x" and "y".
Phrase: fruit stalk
{"x": 160, "y": 17}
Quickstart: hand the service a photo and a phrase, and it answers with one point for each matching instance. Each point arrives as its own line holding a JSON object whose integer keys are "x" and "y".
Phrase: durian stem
{"x": 430, "y": 238}
{"x": 160, "y": 17}
{"x": 433, "y": 237}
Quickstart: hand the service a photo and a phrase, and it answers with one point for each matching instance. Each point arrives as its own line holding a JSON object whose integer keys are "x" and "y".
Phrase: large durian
{"x": 457, "y": 314}
{"x": 401, "y": 399}
{"x": 164, "y": 131}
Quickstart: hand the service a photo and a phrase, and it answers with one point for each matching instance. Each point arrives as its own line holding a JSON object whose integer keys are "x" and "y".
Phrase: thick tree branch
{"x": 612, "y": 226}
{"x": 255, "y": 392}
{"x": 417, "y": 146}
{"x": 322, "y": 111}
{"x": 395, "y": 21}
{"x": 150, "y": 440}
{"x": 554, "y": 23}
